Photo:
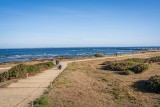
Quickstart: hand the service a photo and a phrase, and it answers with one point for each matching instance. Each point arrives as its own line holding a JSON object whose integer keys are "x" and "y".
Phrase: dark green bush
{"x": 4, "y": 76}
{"x": 137, "y": 60}
{"x": 140, "y": 68}
{"x": 153, "y": 84}
{"x": 119, "y": 65}
{"x": 18, "y": 71}
{"x": 128, "y": 72}
{"x": 154, "y": 59}
{"x": 99, "y": 55}
{"x": 21, "y": 70}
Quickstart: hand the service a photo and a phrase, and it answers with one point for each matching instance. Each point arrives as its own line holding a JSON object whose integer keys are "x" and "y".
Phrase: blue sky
{"x": 79, "y": 23}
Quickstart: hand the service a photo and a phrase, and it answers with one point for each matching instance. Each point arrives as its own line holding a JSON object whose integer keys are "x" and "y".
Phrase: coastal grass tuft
{"x": 41, "y": 102}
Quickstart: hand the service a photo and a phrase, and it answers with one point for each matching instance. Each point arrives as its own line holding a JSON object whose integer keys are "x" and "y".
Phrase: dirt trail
{"x": 22, "y": 92}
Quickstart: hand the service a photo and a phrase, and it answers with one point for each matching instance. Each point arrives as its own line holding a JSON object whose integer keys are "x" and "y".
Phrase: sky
{"x": 79, "y": 23}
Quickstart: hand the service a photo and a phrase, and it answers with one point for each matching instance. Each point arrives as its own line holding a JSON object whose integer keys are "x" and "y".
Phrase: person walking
{"x": 59, "y": 66}
{"x": 57, "y": 62}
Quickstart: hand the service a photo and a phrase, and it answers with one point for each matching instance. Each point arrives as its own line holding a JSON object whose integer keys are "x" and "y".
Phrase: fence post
{"x": 51, "y": 86}
{"x": 27, "y": 75}
{"x": 32, "y": 105}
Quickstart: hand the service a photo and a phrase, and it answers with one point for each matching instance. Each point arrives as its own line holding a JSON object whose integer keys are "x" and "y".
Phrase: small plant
{"x": 154, "y": 59}
{"x": 41, "y": 102}
{"x": 140, "y": 68}
{"x": 99, "y": 55}
{"x": 128, "y": 72}
{"x": 153, "y": 84}
{"x": 118, "y": 93}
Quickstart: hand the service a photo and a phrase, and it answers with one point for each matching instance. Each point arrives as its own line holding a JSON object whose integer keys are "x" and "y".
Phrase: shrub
{"x": 137, "y": 60}
{"x": 20, "y": 71}
{"x": 99, "y": 55}
{"x": 4, "y": 76}
{"x": 140, "y": 68}
{"x": 119, "y": 66}
{"x": 153, "y": 84}
{"x": 128, "y": 72}
{"x": 154, "y": 59}
{"x": 40, "y": 102}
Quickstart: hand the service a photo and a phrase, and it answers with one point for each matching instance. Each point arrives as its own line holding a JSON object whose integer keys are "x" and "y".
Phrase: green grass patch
{"x": 41, "y": 102}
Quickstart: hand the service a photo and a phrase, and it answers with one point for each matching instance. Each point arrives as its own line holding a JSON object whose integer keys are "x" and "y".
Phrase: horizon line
{"x": 88, "y": 47}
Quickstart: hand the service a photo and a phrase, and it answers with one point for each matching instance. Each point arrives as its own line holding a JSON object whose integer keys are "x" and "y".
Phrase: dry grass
{"x": 85, "y": 84}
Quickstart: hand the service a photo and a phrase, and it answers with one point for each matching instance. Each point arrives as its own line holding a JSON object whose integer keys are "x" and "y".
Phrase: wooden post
{"x": 27, "y": 75}
{"x": 51, "y": 86}
{"x": 32, "y": 105}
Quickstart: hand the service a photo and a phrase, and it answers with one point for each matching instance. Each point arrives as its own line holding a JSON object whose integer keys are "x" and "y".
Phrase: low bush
{"x": 153, "y": 84}
{"x": 137, "y": 60}
{"x": 4, "y": 76}
{"x": 20, "y": 71}
{"x": 99, "y": 55}
{"x": 41, "y": 102}
{"x": 119, "y": 65}
{"x": 154, "y": 59}
{"x": 140, "y": 68}
{"x": 128, "y": 72}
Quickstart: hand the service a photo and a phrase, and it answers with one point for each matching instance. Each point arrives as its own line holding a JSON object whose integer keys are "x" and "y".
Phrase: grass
{"x": 91, "y": 86}
{"x": 41, "y": 102}
{"x": 118, "y": 93}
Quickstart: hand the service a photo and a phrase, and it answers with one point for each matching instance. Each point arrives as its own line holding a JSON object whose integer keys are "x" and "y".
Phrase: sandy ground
{"x": 4, "y": 69}
{"x": 19, "y": 94}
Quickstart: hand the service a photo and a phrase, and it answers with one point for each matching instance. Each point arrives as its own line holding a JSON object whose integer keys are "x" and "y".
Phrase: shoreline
{"x": 63, "y": 58}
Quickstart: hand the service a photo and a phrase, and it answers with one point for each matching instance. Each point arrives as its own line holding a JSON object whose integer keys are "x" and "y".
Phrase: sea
{"x": 26, "y": 54}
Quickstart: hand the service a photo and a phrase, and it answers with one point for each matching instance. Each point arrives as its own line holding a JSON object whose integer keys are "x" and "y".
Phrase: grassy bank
{"x": 20, "y": 71}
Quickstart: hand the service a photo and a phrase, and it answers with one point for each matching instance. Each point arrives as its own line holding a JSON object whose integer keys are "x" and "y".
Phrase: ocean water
{"x": 21, "y": 55}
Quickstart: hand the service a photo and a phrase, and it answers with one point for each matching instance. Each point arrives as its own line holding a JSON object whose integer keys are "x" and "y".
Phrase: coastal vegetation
{"x": 20, "y": 71}
{"x": 99, "y": 55}
{"x": 41, "y": 102}
{"x": 135, "y": 65}
{"x": 153, "y": 84}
